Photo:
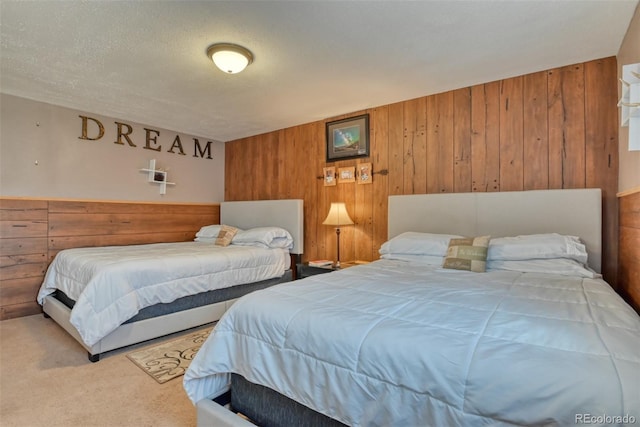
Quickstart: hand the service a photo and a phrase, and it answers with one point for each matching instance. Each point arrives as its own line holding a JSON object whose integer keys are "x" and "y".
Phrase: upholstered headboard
{"x": 287, "y": 214}
{"x": 571, "y": 212}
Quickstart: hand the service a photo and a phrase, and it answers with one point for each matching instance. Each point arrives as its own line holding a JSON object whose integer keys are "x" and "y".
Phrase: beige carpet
{"x": 47, "y": 380}
{"x": 171, "y": 359}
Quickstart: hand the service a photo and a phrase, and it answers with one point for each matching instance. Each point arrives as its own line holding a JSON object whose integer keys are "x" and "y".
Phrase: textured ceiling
{"x": 145, "y": 62}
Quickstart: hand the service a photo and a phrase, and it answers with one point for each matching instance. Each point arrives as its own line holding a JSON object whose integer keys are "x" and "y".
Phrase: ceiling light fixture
{"x": 229, "y": 57}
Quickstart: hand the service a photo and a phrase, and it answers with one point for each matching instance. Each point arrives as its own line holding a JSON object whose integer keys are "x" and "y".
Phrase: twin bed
{"x": 536, "y": 339}
{"x": 111, "y": 297}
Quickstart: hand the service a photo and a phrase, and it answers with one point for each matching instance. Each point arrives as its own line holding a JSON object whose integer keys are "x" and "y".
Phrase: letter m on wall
{"x": 199, "y": 152}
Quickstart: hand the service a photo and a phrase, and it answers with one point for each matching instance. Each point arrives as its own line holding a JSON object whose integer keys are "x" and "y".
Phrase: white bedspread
{"x": 112, "y": 284}
{"x": 398, "y": 344}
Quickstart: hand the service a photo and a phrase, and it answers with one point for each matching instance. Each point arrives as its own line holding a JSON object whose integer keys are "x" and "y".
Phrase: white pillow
{"x": 268, "y": 237}
{"x": 415, "y": 243}
{"x": 209, "y": 231}
{"x": 562, "y": 266}
{"x": 422, "y": 259}
{"x": 205, "y": 239}
{"x": 537, "y": 246}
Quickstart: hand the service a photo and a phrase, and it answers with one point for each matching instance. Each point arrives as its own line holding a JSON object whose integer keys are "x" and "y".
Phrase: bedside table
{"x": 305, "y": 270}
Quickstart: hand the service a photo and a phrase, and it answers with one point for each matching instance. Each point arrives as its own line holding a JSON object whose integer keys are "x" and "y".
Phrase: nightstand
{"x": 305, "y": 270}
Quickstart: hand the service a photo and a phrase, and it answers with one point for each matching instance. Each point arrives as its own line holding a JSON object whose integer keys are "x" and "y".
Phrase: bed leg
{"x": 93, "y": 358}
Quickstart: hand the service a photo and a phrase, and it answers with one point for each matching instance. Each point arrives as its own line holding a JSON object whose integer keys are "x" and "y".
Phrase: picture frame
{"x": 347, "y": 174}
{"x": 329, "y": 176}
{"x": 348, "y": 138}
{"x": 365, "y": 173}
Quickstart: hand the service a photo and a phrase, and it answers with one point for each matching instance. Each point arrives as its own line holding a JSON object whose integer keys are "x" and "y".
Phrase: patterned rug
{"x": 171, "y": 359}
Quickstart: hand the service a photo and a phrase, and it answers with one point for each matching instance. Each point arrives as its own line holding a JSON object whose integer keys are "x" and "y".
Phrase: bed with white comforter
{"x": 112, "y": 284}
{"x": 408, "y": 343}
{"x": 531, "y": 336}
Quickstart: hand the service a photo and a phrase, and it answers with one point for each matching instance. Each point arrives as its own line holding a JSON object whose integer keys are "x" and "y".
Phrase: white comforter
{"x": 398, "y": 344}
{"x": 112, "y": 284}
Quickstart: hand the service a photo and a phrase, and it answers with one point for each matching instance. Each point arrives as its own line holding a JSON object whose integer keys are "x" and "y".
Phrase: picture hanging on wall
{"x": 348, "y": 138}
{"x": 329, "y": 175}
{"x": 347, "y": 174}
{"x": 364, "y": 173}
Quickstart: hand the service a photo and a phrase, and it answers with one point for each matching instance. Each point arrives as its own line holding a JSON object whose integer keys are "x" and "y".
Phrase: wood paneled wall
{"x": 552, "y": 129}
{"x": 33, "y": 231}
{"x": 629, "y": 271}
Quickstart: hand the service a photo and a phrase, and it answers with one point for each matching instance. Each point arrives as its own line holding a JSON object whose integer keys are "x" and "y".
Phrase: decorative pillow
{"x": 537, "y": 246}
{"x": 468, "y": 254}
{"x": 268, "y": 237}
{"x": 226, "y": 235}
{"x": 209, "y": 231}
{"x": 414, "y": 243}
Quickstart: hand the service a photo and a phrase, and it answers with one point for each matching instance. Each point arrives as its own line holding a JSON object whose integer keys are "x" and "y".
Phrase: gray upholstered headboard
{"x": 571, "y": 212}
{"x": 287, "y": 214}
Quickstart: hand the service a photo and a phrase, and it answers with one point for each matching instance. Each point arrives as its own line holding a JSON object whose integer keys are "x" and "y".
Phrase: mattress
{"x": 112, "y": 284}
{"x": 400, "y": 343}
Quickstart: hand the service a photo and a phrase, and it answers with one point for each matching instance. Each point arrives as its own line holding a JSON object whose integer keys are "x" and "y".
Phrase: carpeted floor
{"x": 47, "y": 380}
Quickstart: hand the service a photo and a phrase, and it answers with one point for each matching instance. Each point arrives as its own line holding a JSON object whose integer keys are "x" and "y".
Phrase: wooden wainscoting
{"x": 32, "y": 232}
{"x": 551, "y": 129}
{"x": 629, "y": 249}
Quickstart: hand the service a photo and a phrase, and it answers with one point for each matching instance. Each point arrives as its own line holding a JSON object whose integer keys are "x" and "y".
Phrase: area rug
{"x": 171, "y": 359}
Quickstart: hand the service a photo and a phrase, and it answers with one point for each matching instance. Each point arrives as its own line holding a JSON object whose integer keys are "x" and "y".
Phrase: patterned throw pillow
{"x": 468, "y": 254}
{"x": 226, "y": 235}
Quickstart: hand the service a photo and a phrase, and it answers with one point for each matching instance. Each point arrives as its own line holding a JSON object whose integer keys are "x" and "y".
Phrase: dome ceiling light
{"x": 230, "y": 58}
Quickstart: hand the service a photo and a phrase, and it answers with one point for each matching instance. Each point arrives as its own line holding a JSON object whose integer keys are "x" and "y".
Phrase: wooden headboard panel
{"x": 32, "y": 231}
{"x": 510, "y": 213}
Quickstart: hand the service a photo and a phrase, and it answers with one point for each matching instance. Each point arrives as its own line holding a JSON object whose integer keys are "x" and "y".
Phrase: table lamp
{"x": 338, "y": 216}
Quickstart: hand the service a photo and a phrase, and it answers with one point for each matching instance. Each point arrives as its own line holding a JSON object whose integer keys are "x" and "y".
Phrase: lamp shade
{"x": 338, "y": 215}
{"x": 230, "y": 58}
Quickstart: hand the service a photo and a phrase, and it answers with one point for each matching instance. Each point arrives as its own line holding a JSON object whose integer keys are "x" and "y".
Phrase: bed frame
{"x": 287, "y": 214}
{"x": 571, "y": 212}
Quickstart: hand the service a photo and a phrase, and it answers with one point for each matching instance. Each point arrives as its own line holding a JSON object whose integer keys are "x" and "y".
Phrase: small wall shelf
{"x": 157, "y": 176}
{"x": 630, "y": 104}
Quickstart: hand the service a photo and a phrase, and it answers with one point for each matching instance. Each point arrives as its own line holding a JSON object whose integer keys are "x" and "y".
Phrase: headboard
{"x": 287, "y": 214}
{"x": 572, "y": 212}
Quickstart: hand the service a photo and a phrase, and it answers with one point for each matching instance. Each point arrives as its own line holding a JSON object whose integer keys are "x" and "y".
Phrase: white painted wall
{"x": 629, "y": 53}
{"x": 68, "y": 167}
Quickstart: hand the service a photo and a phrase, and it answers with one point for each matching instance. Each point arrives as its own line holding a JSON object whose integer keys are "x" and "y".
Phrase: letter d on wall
{"x": 85, "y": 119}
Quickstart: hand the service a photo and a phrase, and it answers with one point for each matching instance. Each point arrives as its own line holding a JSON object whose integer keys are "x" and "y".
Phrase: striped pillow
{"x": 226, "y": 235}
{"x": 468, "y": 254}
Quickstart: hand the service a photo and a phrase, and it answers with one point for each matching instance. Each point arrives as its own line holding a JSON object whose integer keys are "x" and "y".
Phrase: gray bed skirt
{"x": 191, "y": 301}
{"x": 267, "y": 408}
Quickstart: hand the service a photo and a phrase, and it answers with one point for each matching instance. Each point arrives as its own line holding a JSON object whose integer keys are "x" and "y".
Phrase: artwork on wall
{"x": 347, "y": 174}
{"x": 348, "y": 138}
{"x": 329, "y": 176}
{"x": 364, "y": 173}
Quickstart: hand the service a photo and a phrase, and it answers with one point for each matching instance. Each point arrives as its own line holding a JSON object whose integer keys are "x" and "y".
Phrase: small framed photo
{"x": 329, "y": 176}
{"x": 348, "y": 138}
{"x": 364, "y": 173}
{"x": 347, "y": 174}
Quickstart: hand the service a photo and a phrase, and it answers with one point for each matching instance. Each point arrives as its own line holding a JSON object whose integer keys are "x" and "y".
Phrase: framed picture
{"x": 348, "y": 138}
{"x": 347, "y": 174}
{"x": 364, "y": 173}
{"x": 329, "y": 175}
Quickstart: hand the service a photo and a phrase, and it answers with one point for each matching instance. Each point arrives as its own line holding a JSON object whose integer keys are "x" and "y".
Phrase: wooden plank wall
{"x": 552, "y": 129}
{"x": 33, "y": 231}
{"x": 629, "y": 270}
